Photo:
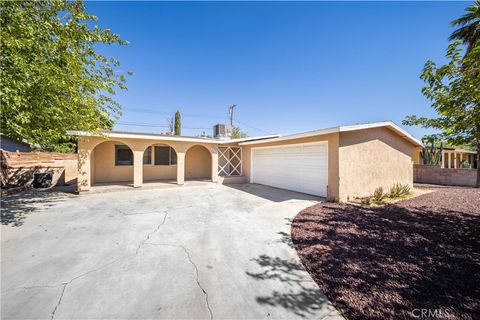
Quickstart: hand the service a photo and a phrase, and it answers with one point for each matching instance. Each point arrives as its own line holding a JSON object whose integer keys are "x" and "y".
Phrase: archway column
{"x": 83, "y": 178}
{"x": 214, "y": 153}
{"x": 181, "y": 167}
{"x": 137, "y": 168}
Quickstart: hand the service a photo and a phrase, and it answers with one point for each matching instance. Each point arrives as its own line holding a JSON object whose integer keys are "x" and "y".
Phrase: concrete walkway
{"x": 203, "y": 251}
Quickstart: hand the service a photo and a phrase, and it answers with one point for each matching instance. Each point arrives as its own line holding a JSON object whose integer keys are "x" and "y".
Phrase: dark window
{"x": 123, "y": 155}
{"x": 165, "y": 156}
{"x": 173, "y": 156}
{"x": 147, "y": 156}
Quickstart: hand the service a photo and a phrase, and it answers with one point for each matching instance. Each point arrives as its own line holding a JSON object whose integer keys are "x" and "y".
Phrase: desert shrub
{"x": 399, "y": 190}
{"x": 465, "y": 165}
{"x": 378, "y": 195}
{"x": 365, "y": 201}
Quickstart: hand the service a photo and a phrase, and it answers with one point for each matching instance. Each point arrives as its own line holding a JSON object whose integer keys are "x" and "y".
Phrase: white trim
{"x": 294, "y": 136}
{"x": 147, "y": 136}
{"x": 389, "y": 124}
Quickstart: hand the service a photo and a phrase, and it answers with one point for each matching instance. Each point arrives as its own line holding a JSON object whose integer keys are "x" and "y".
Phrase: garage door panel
{"x": 300, "y": 168}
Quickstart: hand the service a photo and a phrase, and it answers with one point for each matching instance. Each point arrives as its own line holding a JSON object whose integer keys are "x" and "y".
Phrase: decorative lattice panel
{"x": 229, "y": 161}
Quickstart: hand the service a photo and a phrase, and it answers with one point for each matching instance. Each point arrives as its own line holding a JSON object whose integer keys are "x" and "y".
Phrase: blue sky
{"x": 289, "y": 67}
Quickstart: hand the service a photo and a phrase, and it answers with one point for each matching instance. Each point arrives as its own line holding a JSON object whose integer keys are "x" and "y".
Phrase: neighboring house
{"x": 336, "y": 163}
{"x": 9, "y": 144}
{"x": 453, "y": 158}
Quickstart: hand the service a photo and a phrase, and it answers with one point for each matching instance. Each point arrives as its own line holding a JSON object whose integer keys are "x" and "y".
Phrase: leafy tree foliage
{"x": 53, "y": 80}
{"x": 454, "y": 90}
{"x": 237, "y": 133}
{"x": 178, "y": 123}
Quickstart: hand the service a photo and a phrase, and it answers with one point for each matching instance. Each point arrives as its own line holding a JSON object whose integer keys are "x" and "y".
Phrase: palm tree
{"x": 469, "y": 23}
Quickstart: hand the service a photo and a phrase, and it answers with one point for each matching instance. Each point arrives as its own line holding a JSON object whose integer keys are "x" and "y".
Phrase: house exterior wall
{"x": 333, "y": 143}
{"x": 198, "y": 163}
{"x": 104, "y": 166}
{"x": 152, "y": 172}
{"x": 373, "y": 158}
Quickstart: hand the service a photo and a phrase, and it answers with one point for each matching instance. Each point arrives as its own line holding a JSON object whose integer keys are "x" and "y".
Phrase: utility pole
{"x": 230, "y": 113}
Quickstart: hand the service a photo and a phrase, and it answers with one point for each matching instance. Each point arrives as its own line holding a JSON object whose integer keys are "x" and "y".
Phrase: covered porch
{"x": 124, "y": 162}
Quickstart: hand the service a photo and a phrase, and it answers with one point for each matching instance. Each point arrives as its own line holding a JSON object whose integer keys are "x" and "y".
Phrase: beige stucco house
{"x": 336, "y": 163}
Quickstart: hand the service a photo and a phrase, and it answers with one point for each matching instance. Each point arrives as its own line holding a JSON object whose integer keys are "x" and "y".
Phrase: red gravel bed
{"x": 395, "y": 261}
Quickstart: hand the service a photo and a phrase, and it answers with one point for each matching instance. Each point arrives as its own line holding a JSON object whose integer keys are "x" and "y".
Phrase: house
{"x": 12, "y": 145}
{"x": 336, "y": 163}
{"x": 453, "y": 158}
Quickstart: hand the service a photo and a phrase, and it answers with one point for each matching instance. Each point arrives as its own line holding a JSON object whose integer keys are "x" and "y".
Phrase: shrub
{"x": 399, "y": 190}
{"x": 365, "y": 201}
{"x": 378, "y": 195}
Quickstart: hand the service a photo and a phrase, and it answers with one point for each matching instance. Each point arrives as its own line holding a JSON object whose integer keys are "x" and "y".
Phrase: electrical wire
{"x": 153, "y": 125}
{"x": 188, "y": 115}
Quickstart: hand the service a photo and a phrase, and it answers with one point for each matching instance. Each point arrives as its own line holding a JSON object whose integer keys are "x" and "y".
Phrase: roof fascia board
{"x": 294, "y": 136}
{"x": 163, "y": 138}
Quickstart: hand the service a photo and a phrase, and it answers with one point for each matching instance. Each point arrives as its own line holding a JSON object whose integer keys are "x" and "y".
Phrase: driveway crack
{"x": 197, "y": 278}
{"x": 152, "y": 232}
{"x": 59, "y": 300}
{"x": 198, "y": 281}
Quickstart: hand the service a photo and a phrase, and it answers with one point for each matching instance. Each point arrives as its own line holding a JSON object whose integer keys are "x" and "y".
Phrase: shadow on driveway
{"x": 271, "y": 193}
{"x": 15, "y": 207}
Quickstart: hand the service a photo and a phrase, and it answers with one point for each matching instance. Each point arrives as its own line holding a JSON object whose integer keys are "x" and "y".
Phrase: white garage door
{"x": 297, "y": 167}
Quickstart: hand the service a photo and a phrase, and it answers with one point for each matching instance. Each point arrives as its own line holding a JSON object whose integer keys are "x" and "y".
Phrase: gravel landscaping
{"x": 418, "y": 258}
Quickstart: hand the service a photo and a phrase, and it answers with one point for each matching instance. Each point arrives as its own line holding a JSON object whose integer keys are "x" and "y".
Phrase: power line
{"x": 153, "y": 125}
{"x": 253, "y": 127}
{"x": 188, "y": 115}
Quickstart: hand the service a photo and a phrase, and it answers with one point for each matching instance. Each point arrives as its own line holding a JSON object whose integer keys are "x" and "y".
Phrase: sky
{"x": 289, "y": 67}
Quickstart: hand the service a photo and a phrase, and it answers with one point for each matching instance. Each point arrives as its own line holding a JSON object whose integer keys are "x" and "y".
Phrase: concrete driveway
{"x": 204, "y": 251}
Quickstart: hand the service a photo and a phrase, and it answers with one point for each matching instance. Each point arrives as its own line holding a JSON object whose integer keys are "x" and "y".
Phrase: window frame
{"x": 170, "y": 149}
{"x": 122, "y": 147}
{"x": 151, "y": 156}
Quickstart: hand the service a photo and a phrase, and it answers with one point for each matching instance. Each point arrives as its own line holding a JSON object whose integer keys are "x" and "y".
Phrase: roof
{"x": 389, "y": 124}
{"x": 166, "y": 137}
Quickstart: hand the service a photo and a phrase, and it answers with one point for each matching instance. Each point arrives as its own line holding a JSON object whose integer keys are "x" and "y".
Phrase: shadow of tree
{"x": 301, "y": 299}
{"x": 15, "y": 207}
{"x": 383, "y": 263}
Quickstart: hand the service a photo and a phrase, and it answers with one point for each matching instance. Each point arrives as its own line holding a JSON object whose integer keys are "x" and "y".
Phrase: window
{"x": 123, "y": 155}
{"x": 147, "y": 156}
{"x": 165, "y": 156}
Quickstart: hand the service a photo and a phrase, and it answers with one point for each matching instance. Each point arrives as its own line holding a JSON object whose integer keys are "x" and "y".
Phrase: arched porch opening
{"x": 111, "y": 162}
{"x": 198, "y": 163}
{"x": 159, "y": 163}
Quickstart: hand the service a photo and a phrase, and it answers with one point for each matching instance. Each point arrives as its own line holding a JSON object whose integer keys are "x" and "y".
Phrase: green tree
{"x": 237, "y": 133}
{"x": 454, "y": 90}
{"x": 53, "y": 79}
{"x": 178, "y": 123}
{"x": 469, "y": 27}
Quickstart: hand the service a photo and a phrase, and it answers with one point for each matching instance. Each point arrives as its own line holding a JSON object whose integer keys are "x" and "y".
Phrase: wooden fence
{"x": 18, "y": 168}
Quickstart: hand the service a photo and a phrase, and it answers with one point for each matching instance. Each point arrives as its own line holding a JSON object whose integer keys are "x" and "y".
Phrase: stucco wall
{"x": 152, "y": 172}
{"x": 444, "y": 176}
{"x": 105, "y": 169}
{"x": 333, "y": 142}
{"x": 373, "y": 158}
{"x": 198, "y": 163}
